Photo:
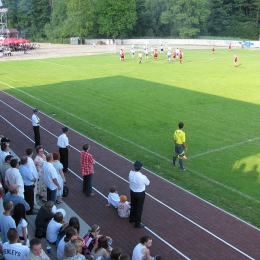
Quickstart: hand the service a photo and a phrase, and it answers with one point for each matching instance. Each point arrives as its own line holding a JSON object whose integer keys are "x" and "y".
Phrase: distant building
{"x": 11, "y": 32}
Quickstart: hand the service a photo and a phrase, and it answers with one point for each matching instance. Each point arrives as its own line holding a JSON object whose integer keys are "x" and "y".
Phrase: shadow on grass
{"x": 137, "y": 118}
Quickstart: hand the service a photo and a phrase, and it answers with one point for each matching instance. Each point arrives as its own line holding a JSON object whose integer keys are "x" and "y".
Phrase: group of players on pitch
{"x": 177, "y": 54}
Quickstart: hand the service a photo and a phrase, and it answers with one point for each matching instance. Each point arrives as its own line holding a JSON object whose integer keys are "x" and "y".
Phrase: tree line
{"x": 57, "y": 20}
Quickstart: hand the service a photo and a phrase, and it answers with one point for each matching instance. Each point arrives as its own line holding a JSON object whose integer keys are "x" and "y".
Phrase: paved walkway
{"x": 182, "y": 225}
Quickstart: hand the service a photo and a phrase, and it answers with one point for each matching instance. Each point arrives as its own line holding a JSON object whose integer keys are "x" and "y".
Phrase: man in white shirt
{"x": 36, "y": 252}
{"x": 63, "y": 143}
{"x": 13, "y": 250}
{"x": 33, "y": 170}
{"x": 54, "y": 226}
{"x": 137, "y": 183}
{"x": 36, "y": 127}
{"x": 50, "y": 178}
{"x": 13, "y": 176}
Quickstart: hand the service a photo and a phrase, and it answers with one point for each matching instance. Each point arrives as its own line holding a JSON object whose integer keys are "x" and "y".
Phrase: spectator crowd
{"x": 25, "y": 181}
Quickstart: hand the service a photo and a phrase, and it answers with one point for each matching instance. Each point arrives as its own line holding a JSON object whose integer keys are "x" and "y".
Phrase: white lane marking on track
{"x": 143, "y": 148}
{"x": 242, "y": 194}
{"x": 165, "y": 205}
{"x": 168, "y": 244}
{"x": 53, "y": 63}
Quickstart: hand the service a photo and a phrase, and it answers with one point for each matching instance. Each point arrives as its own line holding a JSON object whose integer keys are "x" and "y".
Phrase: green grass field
{"x": 134, "y": 109}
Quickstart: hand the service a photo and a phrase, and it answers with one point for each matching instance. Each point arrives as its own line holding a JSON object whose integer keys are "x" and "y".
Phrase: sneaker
{"x": 173, "y": 164}
{"x": 183, "y": 169}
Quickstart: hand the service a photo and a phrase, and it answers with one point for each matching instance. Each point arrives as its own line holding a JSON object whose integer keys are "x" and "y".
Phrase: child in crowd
{"x": 91, "y": 238}
{"x": 113, "y": 198}
{"x": 54, "y": 227}
{"x": 123, "y": 207}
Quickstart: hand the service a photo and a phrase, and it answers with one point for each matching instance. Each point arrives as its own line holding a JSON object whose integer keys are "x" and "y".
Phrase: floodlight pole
{"x": 3, "y": 20}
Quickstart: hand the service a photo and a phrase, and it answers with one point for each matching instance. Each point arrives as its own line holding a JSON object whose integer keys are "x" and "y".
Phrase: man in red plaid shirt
{"x": 86, "y": 164}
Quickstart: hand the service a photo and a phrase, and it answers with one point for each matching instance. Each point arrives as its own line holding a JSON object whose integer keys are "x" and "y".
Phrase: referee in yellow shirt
{"x": 180, "y": 146}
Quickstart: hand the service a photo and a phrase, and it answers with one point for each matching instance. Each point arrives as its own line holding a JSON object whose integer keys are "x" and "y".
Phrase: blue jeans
{"x": 87, "y": 184}
{"x": 52, "y": 195}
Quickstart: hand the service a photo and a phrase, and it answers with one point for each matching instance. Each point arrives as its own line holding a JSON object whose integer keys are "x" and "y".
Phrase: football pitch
{"x": 134, "y": 109}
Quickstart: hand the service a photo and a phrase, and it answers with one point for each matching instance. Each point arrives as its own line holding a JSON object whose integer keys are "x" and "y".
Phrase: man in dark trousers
{"x": 63, "y": 143}
{"x": 180, "y": 146}
{"x": 29, "y": 181}
{"x": 36, "y": 127}
{"x": 137, "y": 182}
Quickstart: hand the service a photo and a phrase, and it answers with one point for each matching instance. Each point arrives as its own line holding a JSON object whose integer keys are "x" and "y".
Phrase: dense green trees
{"x": 116, "y": 18}
{"x": 55, "y": 28}
{"x": 59, "y": 19}
{"x": 186, "y": 16}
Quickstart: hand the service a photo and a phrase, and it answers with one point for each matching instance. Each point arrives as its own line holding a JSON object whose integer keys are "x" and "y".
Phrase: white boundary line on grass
{"x": 139, "y": 146}
{"x": 87, "y": 122}
{"x": 181, "y": 215}
{"x": 225, "y": 147}
{"x": 53, "y": 63}
{"x": 165, "y": 205}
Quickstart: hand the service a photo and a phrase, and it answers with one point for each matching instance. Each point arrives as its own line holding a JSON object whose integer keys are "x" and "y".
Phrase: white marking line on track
{"x": 93, "y": 187}
{"x": 141, "y": 147}
{"x": 181, "y": 215}
{"x": 53, "y": 63}
{"x": 149, "y": 170}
